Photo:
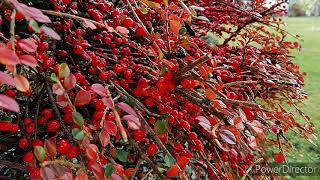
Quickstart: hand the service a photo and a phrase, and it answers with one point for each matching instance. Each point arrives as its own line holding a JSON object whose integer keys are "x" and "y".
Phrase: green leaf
{"x": 203, "y": 18}
{"x": 108, "y": 170}
{"x": 153, "y": 4}
{"x": 40, "y": 153}
{"x": 168, "y": 160}
{"x": 165, "y": 2}
{"x": 160, "y": 126}
{"x": 78, "y": 119}
{"x": 183, "y": 31}
{"x": 34, "y": 25}
{"x": 122, "y": 155}
{"x": 144, "y": 10}
{"x": 206, "y": 101}
{"x": 163, "y": 69}
{"x": 78, "y": 134}
{"x": 53, "y": 78}
{"x": 64, "y": 70}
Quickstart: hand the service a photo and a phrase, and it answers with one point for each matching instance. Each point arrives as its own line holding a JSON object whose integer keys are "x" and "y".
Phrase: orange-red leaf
{"x": 82, "y": 176}
{"x": 82, "y": 98}
{"x": 22, "y": 83}
{"x": 211, "y": 95}
{"x": 182, "y": 161}
{"x": 8, "y": 57}
{"x": 172, "y": 171}
{"x": 28, "y": 60}
{"x": 27, "y": 45}
{"x": 175, "y": 26}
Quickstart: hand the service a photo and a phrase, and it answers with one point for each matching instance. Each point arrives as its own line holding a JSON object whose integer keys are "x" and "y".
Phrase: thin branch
{"x": 12, "y": 28}
{"x": 13, "y": 165}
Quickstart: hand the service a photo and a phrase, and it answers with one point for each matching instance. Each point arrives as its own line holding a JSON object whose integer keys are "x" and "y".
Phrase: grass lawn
{"x": 309, "y": 60}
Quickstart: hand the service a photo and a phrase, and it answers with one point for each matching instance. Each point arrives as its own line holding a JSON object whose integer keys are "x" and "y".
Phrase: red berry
{"x": 78, "y": 49}
{"x": 37, "y": 142}
{"x": 30, "y": 128}
{"x": 193, "y": 136}
{"x": 224, "y": 158}
{"x": 152, "y": 120}
{"x": 152, "y": 149}
{"x": 54, "y": 126}
{"x": 28, "y": 157}
{"x": 14, "y": 128}
{"x": 140, "y": 32}
{"x": 47, "y": 113}
{"x": 27, "y": 121}
{"x": 63, "y": 146}
{"x": 10, "y": 92}
{"x": 127, "y": 22}
{"x": 139, "y": 135}
{"x": 23, "y": 143}
{"x": 35, "y": 173}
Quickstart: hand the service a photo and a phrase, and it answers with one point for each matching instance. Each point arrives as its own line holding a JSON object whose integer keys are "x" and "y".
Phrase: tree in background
{"x": 131, "y": 89}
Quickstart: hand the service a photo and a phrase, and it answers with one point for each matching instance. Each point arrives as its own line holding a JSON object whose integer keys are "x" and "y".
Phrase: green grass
{"x": 309, "y": 61}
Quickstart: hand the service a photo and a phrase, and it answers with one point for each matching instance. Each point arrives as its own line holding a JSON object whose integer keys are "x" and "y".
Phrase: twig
{"x": 117, "y": 117}
{"x": 61, "y": 162}
{"x": 144, "y": 28}
{"x": 147, "y": 159}
{"x": 13, "y": 165}
{"x": 57, "y": 113}
{"x": 189, "y": 67}
{"x": 12, "y": 28}
{"x": 136, "y": 169}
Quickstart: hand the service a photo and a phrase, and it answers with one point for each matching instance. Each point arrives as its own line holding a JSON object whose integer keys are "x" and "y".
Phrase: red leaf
{"x": 204, "y": 122}
{"x": 127, "y": 108}
{"x": 8, "y": 57}
{"x": 211, "y": 95}
{"x": 66, "y": 176}
{"x": 91, "y": 152}
{"x": 50, "y": 146}
{"x": 104, "y": 138}
{"x": 57, "y": 89}
{"x": 89, "y": 24}
{"x": 62, "y": 100}
{"x": 122, "y": 30}
{"x": 50, "y": 32}
{"x": 107, "y": 102}
{"x": 182, "y": 161}
{"x": 99, "y": 89}
{"x": 133, "y": 122}
{"x": 82, "y": 98}
{"x": 227, "y": 136}
{"x": 22, "y": 83}
{"x": 172, "y": 171}
{"x": 27, "y": 45}
{"x": 47, "y": 173}
{"x": 279, "y": 158}
{"x": 110, "y": 127}
{"x": 251, "y": 141}
{"x": 69, "y": 82}
{"x": 9, "y": 103}
{"x": 97, "y": 170}
{"x": 30, "y": 12}
{"x": 82, "y": 176}
{"x": 6, "y": 79}
{"x": 28, "y": 60}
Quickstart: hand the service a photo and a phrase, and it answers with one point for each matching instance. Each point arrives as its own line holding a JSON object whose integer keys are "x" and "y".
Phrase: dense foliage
{"x": 134, "y": 89}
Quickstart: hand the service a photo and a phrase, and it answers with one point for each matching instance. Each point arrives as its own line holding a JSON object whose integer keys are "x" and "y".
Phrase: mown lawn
{"x": 309, "y": 60}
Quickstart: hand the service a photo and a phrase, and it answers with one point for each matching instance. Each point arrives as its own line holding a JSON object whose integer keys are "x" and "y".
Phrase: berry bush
{"x": 143, "y": 89}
